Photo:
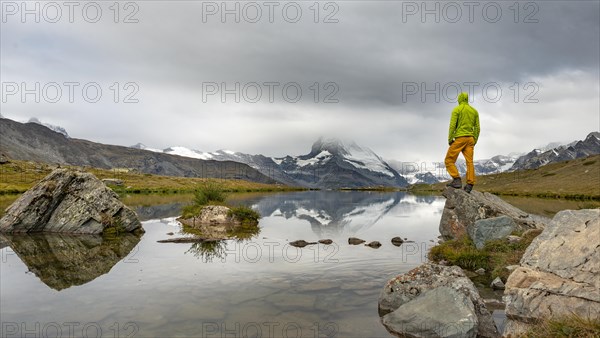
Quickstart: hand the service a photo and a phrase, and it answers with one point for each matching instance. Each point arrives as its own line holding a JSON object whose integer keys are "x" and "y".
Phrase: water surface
{"x": 259, "y": 287}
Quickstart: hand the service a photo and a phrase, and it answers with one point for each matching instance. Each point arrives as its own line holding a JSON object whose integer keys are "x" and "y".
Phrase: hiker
{"x": 462, "y": 137}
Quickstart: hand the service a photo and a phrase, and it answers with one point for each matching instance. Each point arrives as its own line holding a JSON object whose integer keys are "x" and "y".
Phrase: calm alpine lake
{"x": 58, "y": 285}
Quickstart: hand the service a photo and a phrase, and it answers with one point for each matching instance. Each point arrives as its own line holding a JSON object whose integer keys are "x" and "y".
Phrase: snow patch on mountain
{"x": 186, "y": 152}
{"x": 367, "y": 159}
{"x": 143, "y": 147}
{"x": 321, "y": 157}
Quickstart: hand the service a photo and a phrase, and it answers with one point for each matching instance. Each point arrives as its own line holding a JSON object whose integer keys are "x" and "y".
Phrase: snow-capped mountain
{"x": 331, "y": 163}
{"x": 52, "y": 127}
{"x": 577, "y": 149}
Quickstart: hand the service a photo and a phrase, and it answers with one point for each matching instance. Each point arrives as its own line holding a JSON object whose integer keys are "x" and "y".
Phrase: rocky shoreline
{"x": 557, "y": 276}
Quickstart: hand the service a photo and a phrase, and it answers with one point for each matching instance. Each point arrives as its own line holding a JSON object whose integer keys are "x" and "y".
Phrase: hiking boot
{"x": 456, "y": 183}
{"x": 468, "y": 188}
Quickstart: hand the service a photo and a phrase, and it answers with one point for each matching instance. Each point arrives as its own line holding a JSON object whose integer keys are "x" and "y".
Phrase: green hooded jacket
{"x": 464, "y": 120}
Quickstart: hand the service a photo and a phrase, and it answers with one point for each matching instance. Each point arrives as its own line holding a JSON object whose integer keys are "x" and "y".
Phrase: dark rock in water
{"x": 397, "y": 241}
{"x": 301, "y": 243}
{"x": 170, "y": 234}
{"x": 462, "y": 210}
{"x": 355, "y": 241}
{"x": 487, "y": 229}
{"x": 558, "y": 274}
{"x": 374, "y": 244}
{"x": 410, "y": 293}
{"x": 325, "y": 241}
{"x": 62, "y": 260}
{"x": 69, "y": 201}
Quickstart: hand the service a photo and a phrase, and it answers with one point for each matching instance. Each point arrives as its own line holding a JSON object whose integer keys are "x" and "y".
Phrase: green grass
{"x": 461, "y": 252}
{"x": 549, "y": 207}
{"x": 569, "y": 326}
{"x": 493, "y": 257}
{"x": 16, "y": 177}
{"x": 245, "y": 214}
{"x": 210, "y": 192}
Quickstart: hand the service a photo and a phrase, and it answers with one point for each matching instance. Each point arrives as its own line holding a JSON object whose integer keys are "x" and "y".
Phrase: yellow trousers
{"x": 464, "y": 144}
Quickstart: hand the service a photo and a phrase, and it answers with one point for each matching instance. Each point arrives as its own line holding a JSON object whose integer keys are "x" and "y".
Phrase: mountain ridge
{"x": 36, "y": 142}
{"x": 331, "y": 163}
{"x": 574, "y": 150}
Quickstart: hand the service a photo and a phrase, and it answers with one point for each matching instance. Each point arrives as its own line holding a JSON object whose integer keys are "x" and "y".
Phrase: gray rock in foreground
{"x": 69, "y": 201}
{"x": 558, "y": 274}
{"x": 462, "y": 210}
{"x": 400, "y": 292}
{"x": 487, "y": 229}
{"x": 440, "y": 312}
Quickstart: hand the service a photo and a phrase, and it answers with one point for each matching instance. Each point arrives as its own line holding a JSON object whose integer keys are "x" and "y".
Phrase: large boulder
{"x": 440, "y": 312}
{"x": 69, "y": 201}
{"x": 558, "y": 274}
{"x": 408, "y": 301}
{"x": 462, "y": 210}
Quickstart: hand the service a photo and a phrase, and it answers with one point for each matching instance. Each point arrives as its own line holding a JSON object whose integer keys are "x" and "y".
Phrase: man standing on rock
{"x": 462, "y": 137}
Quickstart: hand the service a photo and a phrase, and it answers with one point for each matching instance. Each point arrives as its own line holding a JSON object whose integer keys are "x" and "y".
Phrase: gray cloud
{"x": 369, "y": 54}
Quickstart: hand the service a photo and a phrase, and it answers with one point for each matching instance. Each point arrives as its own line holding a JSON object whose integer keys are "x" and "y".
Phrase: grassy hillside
{"x": 18, "y": 176}
{"x": 575, "y": 179}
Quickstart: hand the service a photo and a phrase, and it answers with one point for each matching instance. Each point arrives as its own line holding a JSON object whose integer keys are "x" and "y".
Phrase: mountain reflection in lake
{"x": 257, "y": 287}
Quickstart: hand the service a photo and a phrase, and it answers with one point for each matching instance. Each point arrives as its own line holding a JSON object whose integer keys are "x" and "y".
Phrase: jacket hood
{"x": 463, "y": 98}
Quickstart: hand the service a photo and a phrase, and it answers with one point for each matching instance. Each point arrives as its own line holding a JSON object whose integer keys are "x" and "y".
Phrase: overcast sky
{"x": 370, "y": 60}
